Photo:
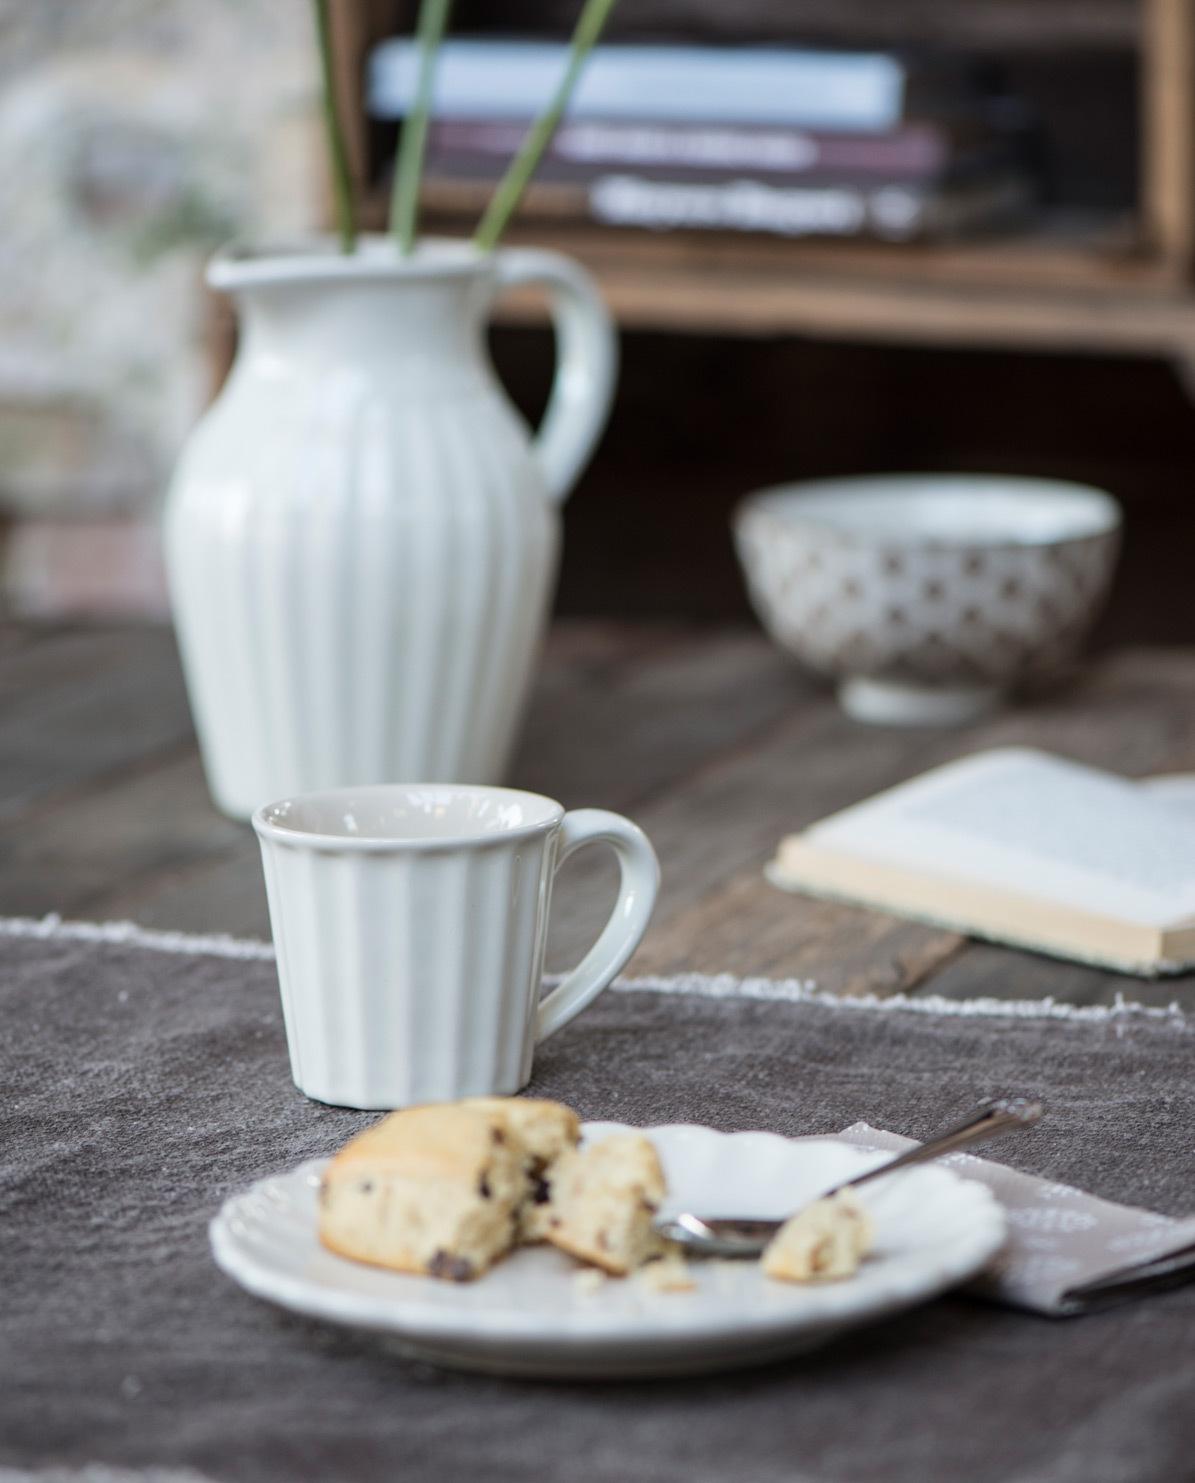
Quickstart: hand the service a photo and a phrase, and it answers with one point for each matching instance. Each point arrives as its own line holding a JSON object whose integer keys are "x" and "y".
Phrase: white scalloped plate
{"x": 530, "y": 1316}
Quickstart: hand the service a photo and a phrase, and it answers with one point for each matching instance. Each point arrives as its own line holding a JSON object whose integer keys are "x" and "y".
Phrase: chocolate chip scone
{"x": 603, "y": 1201}
{"x": 446, "y": 1190}
{"x": 436, "y": 1190}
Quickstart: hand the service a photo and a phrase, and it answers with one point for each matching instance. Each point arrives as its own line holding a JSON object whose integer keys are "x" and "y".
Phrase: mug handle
{"x": 586, "y": 361}
{"x": 628, "y": 921}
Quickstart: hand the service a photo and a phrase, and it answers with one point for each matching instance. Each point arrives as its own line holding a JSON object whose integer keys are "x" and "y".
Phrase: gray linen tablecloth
{"x": 142, "y": 1086}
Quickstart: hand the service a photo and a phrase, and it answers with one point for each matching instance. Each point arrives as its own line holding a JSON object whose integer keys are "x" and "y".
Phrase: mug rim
{"x": 266, "y": 828}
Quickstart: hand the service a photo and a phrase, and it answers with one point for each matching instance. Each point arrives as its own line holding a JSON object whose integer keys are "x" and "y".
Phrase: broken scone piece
{"x": 435, "y": 1190}
{"x": 546, "y": 1130}
{"x": 603, "y": 1201}
{"x": 822, "y": 1243}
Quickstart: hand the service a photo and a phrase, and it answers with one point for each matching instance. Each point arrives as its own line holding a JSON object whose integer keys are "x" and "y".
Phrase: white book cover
{"x": 772, "y": 85}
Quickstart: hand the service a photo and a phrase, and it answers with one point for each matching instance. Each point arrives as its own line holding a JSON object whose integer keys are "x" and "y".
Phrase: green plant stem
{"x": 506, "y": 198}
{"x": 342, "y": 191}
{"x": 404, "y": 203}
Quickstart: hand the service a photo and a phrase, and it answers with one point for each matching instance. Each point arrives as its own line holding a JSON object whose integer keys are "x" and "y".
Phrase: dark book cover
{"x": 584, "y": 149}
{"x": 889, "y": 213}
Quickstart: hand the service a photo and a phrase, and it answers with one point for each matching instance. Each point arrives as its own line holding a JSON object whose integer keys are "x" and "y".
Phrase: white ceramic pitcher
{"x": 361, "y": 537}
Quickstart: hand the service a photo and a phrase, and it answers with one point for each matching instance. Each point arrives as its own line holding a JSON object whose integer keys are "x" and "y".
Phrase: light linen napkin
{"x": 1067, "y": 1252}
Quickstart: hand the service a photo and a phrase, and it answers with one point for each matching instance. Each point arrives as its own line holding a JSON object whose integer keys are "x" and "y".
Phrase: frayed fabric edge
{"x": 696, "y": 985}
{"x": 129, "y": 934}
{"x": 805, "y": 991}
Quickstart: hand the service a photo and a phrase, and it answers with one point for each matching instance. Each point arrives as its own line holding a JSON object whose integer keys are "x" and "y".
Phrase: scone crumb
{"x": 588, "y": 1281}
{"x": 666, "y": 1273}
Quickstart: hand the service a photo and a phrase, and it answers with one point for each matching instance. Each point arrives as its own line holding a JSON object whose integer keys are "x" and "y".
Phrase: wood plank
{"x": 617, "y": 711}
{"x": 14, "y": 636}
{"x": 96, "y": 854}
{"x": 84, "y": 705}
{"x": 805, "y": 938}
{"x": 983, "y": 970}
{"x": 1132, "y": 711}
{"x": 710, "y": 740}
{"x": 1072, "y": 250}
{"x": 220, "y": 893}
{"x": 1168, "y": 130}
{"x": 622, "y": 727}
{"x": 1072, "y": 282}
{"x": 37, "y": 658}
{"x": 76, "y": 857}
{"x": 715, "y": 824}
{"x": 715, "y": 830}
{"x": 1003, "y": 292}
{"x": 748, "y": 928}
{"x": 750, "y": 305}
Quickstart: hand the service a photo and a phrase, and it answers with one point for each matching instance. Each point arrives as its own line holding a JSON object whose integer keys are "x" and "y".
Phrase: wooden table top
{"x": 709, "y": 738}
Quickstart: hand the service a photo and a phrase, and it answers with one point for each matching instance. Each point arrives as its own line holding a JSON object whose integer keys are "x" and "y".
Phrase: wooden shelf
{"x": 1073, "y": 282}
{"x": 940, "y": 304}
{"x": 876, "y": 309}
{"x": 1099, "y": 285}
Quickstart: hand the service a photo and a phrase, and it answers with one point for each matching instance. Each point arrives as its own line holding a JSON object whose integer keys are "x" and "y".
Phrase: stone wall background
{"x": 135, "y": 135}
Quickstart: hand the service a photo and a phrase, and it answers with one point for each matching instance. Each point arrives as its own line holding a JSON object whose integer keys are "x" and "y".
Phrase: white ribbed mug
{"x": 409, "y": 923}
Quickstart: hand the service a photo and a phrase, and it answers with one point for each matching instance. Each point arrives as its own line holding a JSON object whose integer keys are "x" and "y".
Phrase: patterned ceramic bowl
{"x": 928, "y": 596}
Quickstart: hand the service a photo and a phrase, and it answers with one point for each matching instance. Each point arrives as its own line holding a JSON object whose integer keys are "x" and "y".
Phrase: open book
{"x": 1021, "y": 847}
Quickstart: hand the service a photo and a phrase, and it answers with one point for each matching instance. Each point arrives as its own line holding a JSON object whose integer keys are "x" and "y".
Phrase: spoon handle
{"x": 989, "y": 1120}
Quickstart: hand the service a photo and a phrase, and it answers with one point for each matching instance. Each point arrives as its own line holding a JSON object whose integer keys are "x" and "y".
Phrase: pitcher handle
{"x": 586, "y": 361}
{"x": 640, "y": 880}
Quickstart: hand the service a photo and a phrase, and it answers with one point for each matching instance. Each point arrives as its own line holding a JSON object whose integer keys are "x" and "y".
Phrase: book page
{"x": 1027, "y": 822}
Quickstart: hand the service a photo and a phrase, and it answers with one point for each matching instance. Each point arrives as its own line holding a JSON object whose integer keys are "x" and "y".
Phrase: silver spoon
{"x": 729, "y": 1236}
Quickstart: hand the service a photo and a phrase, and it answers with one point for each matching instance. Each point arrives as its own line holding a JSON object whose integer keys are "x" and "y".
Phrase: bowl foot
{"x": 893, "y": 703}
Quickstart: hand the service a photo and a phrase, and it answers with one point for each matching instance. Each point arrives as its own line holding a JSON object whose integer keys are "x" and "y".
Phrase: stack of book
{"x": 795, "y": 142}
